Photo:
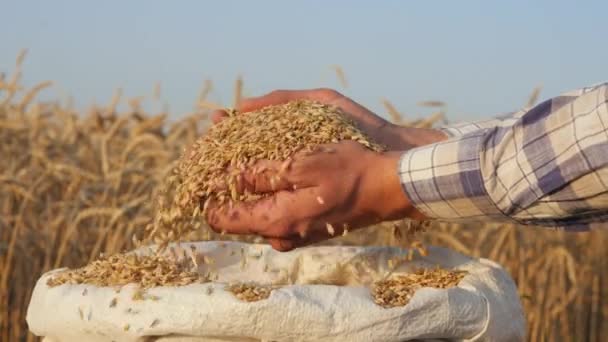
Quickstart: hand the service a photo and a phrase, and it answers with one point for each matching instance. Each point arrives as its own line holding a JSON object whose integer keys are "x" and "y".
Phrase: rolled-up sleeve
{"x": 545, "y": 165}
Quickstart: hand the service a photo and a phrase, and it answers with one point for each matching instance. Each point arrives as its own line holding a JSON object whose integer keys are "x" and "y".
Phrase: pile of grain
{"x": 120, "y": 269}
{"x": 250, "y": 292}
{"x": 399, "y": 289}
{"x": 208, "y": 172}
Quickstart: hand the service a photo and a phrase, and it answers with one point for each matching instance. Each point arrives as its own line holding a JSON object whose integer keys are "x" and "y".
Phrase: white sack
{"x": 485, "y": 305}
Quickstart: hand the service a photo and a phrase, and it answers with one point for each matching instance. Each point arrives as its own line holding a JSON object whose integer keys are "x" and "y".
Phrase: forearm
{"x": 542, "y": 168}
{"x": 399, "y": 138}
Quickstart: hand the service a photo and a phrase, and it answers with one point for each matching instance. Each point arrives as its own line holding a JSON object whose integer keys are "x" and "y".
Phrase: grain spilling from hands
{"x": 209, "y": 171}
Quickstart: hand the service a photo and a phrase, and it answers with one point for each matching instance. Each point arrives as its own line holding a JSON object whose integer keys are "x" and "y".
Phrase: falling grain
{"x": 533, "y": 97}
{"x": 396, "y": 116}
{"x": 21, "y": 57}
{"x": 431, "y": 103}
{"x": 341, "y": 75}
{"x": 238, "y": 91}
{"x": 272, "y": 133}
{"x": 330, "y": 229}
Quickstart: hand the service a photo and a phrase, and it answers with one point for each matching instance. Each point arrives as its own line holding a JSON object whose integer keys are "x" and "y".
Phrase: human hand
{"x": 316, "y": 195}
{"x": 395, "y": 138}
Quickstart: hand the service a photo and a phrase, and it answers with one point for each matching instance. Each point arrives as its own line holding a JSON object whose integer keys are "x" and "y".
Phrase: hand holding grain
{"x": 316, "y": 195}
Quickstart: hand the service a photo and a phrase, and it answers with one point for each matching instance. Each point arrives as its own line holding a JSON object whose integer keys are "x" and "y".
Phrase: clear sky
{"x": 481, "y": 57}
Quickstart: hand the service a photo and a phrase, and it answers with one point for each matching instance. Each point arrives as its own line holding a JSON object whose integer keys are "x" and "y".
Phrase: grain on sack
{"x": 250, "y": 292}
{"x": 399, "y": 289}
{"x": 120, "y": 269}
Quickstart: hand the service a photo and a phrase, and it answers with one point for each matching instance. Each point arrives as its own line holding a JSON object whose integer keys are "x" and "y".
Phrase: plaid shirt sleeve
{"x": 546, "y": 165}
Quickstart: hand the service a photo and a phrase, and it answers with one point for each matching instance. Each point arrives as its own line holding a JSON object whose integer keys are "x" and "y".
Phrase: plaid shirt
{"x": 546, "y": 165}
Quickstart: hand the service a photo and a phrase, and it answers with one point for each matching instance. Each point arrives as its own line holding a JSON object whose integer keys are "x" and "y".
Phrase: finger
{"x": 297, "y": 241}
{"x": 218, "y": 115}
{"x": 296, "y": 172}
{"x": 281, "y": 245}
{"x": 273, "y": 216}
{"x": 264, "y": 176}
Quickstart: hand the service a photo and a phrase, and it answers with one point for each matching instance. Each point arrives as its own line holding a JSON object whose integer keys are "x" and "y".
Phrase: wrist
{"x": 389, "y": 200}
{"x": 400, "y": 138}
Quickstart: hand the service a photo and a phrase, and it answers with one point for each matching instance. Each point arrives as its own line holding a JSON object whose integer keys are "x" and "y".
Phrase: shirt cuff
{"x": 444, "y": 180}
{"x": 458, "y": 130}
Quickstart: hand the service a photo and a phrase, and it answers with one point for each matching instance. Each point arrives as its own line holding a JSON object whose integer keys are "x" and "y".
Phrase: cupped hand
{"x": 316, "y": 195}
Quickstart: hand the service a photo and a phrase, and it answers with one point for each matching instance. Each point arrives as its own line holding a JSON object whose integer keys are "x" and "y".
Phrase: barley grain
{"x": 399, "y": 289}
{"x": 274, "y": 133}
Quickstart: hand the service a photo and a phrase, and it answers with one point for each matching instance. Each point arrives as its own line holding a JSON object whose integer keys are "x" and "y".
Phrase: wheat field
{"x": 75, "y": 184}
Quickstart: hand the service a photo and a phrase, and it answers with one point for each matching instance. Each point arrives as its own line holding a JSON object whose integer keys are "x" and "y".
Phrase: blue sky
{"x": 481, "y": 57}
